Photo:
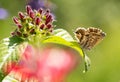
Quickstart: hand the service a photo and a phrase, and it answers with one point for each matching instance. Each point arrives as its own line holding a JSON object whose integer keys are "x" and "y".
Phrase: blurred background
{"x": 104, "y": 14}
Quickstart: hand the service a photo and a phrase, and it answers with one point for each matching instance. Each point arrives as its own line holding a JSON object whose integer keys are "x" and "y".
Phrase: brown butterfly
{"x": 89, "y": 37}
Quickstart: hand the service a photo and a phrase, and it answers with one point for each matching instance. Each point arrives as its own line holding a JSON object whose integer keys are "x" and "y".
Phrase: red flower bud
{"x": 13, "y": 33}
{"x": 15, "y": 19}
{"x": 18, "y": 33}
{"x": 49, "y": 19}
{"x": 32, "y": 14}
{"x": 28, "y": 9}
{"x": 19, "y": 26}
{"x": 42, "y": 26}
{"x": 40, "y": 10}
{"x": 21, "y": 15}
{"x": 37, "y": 21}
{"x": 47, "y": 13}
{"x": 32, "y": 31}
{"x": 49, "y": 26}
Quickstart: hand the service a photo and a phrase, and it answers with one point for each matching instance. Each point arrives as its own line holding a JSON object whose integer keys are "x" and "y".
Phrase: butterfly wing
{"x": 89, "y": 37}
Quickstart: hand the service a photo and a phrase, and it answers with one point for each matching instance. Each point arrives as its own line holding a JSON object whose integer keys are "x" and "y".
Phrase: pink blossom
{"x": 50, "y": 64}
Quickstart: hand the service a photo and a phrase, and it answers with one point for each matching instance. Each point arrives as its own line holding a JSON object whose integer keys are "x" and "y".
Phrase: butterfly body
{"x": 89, "y": 37}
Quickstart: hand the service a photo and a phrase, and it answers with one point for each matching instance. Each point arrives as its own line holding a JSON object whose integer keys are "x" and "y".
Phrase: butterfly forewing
{"x": 89, "y": 37}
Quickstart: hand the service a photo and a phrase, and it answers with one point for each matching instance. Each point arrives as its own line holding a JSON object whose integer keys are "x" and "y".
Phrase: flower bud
{"x": 37, "y": 21}
{"x": 49, "y": 19}
{"x": 47, "y": 13}
{"x": 49, "y": 26}
{"x": 40, "y": 10}
{"x": 42, "y": 26}
{"x": 32, "y": 31}
{"x": 21, "y": 15}
{"x": 19, "y": 26}
{"x": 32, "y": 14}
{"x": 13, "y": 33}
{"x": 15, "y": 19}
{"x": 28, "y": 9}
{"x": 18, "y": 33}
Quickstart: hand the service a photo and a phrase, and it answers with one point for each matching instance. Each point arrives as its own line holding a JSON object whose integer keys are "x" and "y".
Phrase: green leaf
{"x": 58, "y": 40}
{"x": 63, "y": 34}
{"x": 65, "y": 38}
{"x": 9, "y": 52}
{"x": 71, "y": 43}
{"x": 87, "y": 63}
{"x": 15, "y": 40}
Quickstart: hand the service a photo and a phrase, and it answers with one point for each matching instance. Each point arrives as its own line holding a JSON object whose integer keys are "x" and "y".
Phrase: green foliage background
{"x": 104, "y": 14}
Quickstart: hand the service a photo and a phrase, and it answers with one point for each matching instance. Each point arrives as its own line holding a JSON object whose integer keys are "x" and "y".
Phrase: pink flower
{"x": 50, "y": 64}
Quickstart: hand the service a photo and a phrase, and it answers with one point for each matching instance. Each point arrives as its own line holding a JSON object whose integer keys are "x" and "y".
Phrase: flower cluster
{"x": 33, "y": 22}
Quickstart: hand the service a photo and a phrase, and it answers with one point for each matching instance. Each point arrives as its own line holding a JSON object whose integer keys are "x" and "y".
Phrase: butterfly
{"x": 90, "y": 37}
